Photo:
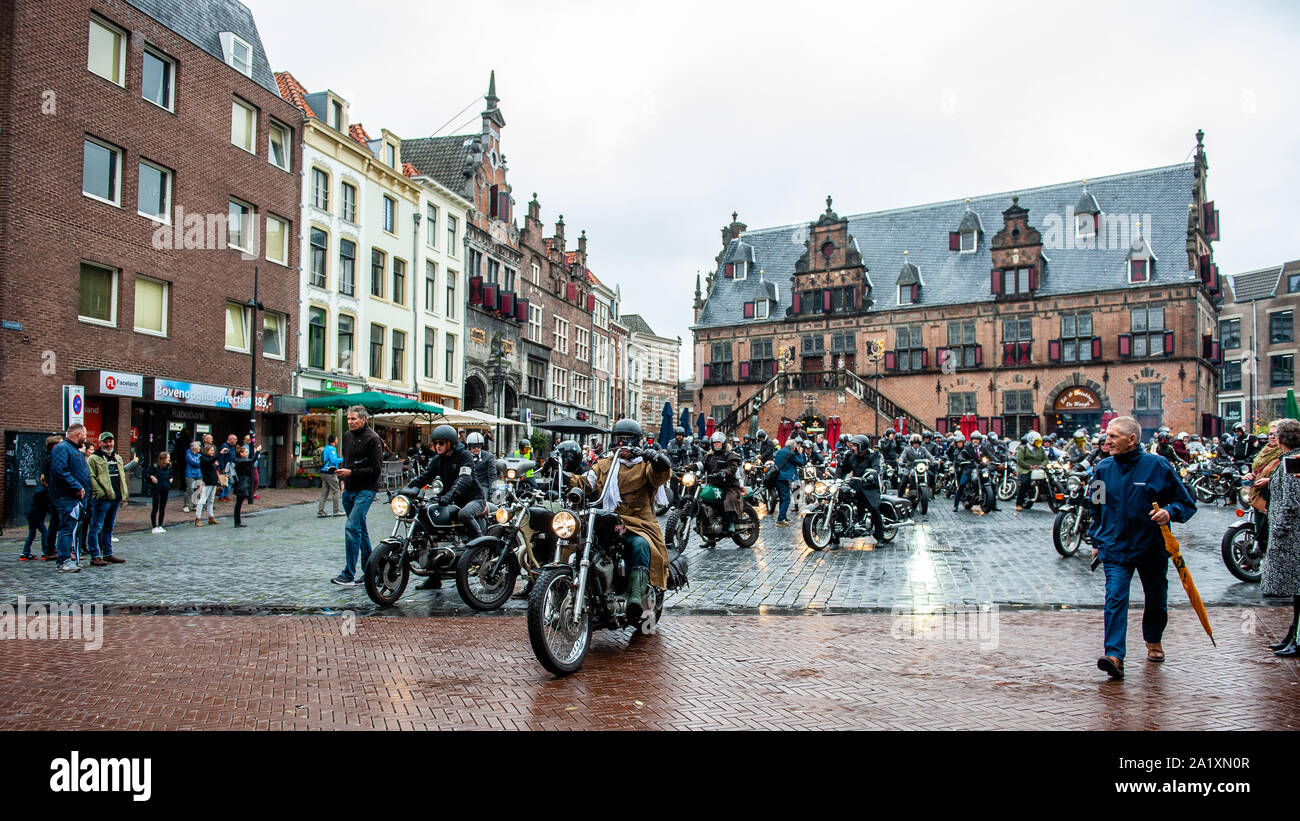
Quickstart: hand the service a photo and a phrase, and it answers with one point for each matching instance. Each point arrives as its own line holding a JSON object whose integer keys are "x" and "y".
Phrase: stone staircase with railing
{"x": 799, "y": 381}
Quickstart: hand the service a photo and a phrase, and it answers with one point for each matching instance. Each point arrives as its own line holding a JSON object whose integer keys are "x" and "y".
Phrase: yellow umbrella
{"x": 1185, "y": 576}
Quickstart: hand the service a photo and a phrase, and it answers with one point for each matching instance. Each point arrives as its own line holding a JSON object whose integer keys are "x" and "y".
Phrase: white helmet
{"x": 959, "y": 437}
{"x": 1182, "y": 435}
{"x": 1033, "y": 436}
{"x": 475, "y": 438}
{"x": 1081, "y": 434}
{"x": 718, "y": 437}
{"x": 976, "y": 435}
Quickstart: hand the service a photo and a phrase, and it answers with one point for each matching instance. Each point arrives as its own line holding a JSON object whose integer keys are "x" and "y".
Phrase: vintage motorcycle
{"x": 1214, "y": 480}
{"x": 586, "y": 589}
{"x": 427, "y": 540}
{"x": 978, "y": 490}
{"x": 1045, "y": 486}
{"x": 918, "y": 485}
{"x": 1070, "y": 528}
{"x": 702, "y": 506}
{"x": 519, "y": 544}
{"x": 1004, "y": 479}
{"x": 1243, "y": 548}
{"x": 835, "y": 514}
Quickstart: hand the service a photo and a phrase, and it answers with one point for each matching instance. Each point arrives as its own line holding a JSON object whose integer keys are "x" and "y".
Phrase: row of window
{"x": 243, "y": 133}
{"x": 1281, "y": 373}
{"x": 385, "y": 348}
{"x": 1146, "y": 398}
{"x": 98, "y": 301}
{"x": 1281, "y": 329}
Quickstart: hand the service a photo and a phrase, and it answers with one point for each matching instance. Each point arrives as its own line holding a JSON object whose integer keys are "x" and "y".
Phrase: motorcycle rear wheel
{"x": 560, "y": 645}
{"x": 1204, "y": 494}
{"x": 1239, "y": 548}
{"x": 485, "y": 576}
{"x": 746, "y": 528}
{"x": 386, "y": 573}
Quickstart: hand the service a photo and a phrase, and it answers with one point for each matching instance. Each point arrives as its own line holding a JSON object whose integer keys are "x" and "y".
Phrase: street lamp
{"x": 875, "y": 353}
{"x": 254, "y": 305}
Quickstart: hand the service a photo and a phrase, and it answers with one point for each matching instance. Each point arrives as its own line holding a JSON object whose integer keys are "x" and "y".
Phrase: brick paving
{"x": 283, "y": 562}
{"x": 701, "y": 672}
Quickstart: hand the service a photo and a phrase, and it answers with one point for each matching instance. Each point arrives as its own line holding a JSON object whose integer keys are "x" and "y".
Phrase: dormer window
{"x": 1139, "y": 270}
{"x": 390, "y": 155}
{"x": 967, "y": 241}
{"x": 966, "y": 238}
{"x": 761, "y": 309}
{"x": 1141, "y": 260}
{"x": 237, "y": 52}
{"x": 741, "y": 270}
{"x": 1085, "y": 226}
{"x": 906, "y": 294}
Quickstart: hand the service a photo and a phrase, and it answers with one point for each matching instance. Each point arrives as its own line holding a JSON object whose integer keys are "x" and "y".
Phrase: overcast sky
{"x": 648, "y": 126}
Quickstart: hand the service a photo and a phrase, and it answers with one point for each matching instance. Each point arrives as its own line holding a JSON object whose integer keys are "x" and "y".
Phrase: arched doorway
{"x": 1073, "y": 408}
{"x": 475, "y": 394}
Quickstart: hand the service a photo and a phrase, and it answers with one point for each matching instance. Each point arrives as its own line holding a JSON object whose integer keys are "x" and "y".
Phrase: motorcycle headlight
{"x": 564, "y": 525}
{"x": 401, "y": 506}
{"x": 819, "y": 488}
{"x": 920, "y": 467}
{"x": 503, "y": 515}
{"x": 808, "y": 488}
{"x": 1072, "y": 484}
{"x": 688, "y": 479}
{"x": 511, "y": 474}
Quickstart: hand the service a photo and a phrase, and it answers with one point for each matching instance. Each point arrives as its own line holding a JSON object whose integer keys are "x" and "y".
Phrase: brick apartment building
{"x": 1261, "y": 318}
{"x": 1045, "y": 310}
{"x": 145, "y": 145}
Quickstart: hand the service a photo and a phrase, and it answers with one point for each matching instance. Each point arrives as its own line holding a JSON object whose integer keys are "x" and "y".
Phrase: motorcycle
{"x": 834, "y": 514}
{"x": 427, "y": 540}
{"x": 702, "y": 506}
{"x": 917, "y": 485}
{"x": 517, "y": 545}
{"x": 1045, "y": 486}
{"x": 1070, "y": 528}
{"x": 1243, "y": 548}
{"x": 945, "y": 478}
{"x": 586, "y": 588}
{"x": 1211, "y": 481}
{"x": 978, "y": 489}
{"x": 1004, "y": 479}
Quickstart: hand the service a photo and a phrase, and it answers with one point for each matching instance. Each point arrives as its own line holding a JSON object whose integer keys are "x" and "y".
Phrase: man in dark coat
{"x": 1126, "y": 535}
{"x": 857, "y": 466}
{"x": 766, "y": 448}
{"x": 363, "y": 459}
{"x": 69, "y": 480}
{"x": 720, "y": 469}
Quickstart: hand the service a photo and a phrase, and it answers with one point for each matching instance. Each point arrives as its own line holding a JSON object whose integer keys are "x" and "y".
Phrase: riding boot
{"x": 638, "y": 581}
{"x": 1290, "y": 637}
{"x": 730, "y": 519}
{"x": 431, "y": 583}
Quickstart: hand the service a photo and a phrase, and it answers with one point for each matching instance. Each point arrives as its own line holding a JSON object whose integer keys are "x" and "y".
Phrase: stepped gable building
{"x": 1260, "y": 317}
{"x": 1047, "y": 309}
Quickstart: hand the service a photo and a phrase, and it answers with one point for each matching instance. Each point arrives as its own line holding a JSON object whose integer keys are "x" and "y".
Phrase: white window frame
{"x": 535, "y": 327}
{"x": 247, "y": 226}
{"x": 740, "y": 270}
{"x": 236, "y": 103}
{"x": 430, "y": 276}
{"x": 761, "y": 309}
{"x": 96, "y": 20}
{"x": 346, "y": 213}
{"x": 317, "y": 189}
{"x": 284, "y": 232}
{"x": 1146, "y": 272}
{"x": 228, "y": 42}
{"x": 248, "y": 337}
{"x": 431, "y": 225}
{"x": 389, "y": 211}
{"x": 166, "y": 288}
{"x": 451, "y": 236}
{"x": 559, "y": 383}
{"x": 451, "y": 295}
{"x": 286, "y": 140}
{"x": 582, "y": 344}
{"x": 560, "y": 336}
{"x": 1080, "y": 220}
{"x": 284, "y": 321}
{"x": 171, "y": 79}
{"x": 390, "y": 155}
{"x": 962, "y": 246}
{"x": 537, "y": 274}
{"x": 166, "y": 218}
{"x": 117, "y": 181}
{"x": 112, "y": 312}
{"x": 581, "y": 390}
{"x": 908, "y": 301}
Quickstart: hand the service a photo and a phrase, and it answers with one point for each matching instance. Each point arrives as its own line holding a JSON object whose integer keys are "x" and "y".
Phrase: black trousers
{"x": 159, "y": 510}
{"x": 239, "y": 504}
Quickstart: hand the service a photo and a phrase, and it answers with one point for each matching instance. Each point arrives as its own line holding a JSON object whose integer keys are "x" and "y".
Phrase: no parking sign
{"x": 74, "y": 405}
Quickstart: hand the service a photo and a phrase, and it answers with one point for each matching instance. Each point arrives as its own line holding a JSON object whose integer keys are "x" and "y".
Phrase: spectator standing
{"x": 69, "y": 479}
{"x": 786, "y": 464}
{"x": 160, "y": 485}
{"x": 1282, "y": 561}
{"x": 193, "y": 476}
{"x": 83, "y": 525}
{"x": 108, "y": 486}
{"x": 363, "y": 457}
{"x": 254, "y": 451}
{"x": 329, "y": 479}
{"x": 208, "y": 484}
{"x": 242, "y": 468}
{"x": 224, "y": 458}
{"x": 40, "y": 508}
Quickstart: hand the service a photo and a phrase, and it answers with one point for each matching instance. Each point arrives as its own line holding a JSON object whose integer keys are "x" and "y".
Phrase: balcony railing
{"x": 796, "y": 381}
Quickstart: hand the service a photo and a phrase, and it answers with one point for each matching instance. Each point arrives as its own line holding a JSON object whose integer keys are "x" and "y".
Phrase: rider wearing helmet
{"x": 1030, "y": 456}
{"x": 1078, "y": 450}
{"x": 453, "y": 464}
{"x": 861, "y": 468}
{"x": 626, "y": 481}
{"x": 766, "y": 449}
{"x": 721, "y": 467}
{"x": 966, "y": 458}
{"x": 485, "y": 467}
{"x": 677, "y": 450}
{"x": 1181, "y": 447}
{"x": 1165, "y": 448}
{"x": 913, "y": 453}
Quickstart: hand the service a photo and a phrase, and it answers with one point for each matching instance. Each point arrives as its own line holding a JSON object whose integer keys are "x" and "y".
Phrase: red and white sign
{"x": 117, "y": 383}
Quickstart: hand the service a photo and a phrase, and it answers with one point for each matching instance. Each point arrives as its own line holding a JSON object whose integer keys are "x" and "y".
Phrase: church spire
{"x": 492, "y": 112}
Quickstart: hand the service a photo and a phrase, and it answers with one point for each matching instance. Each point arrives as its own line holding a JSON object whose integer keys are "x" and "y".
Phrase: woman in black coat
{"x": 243, "y": 483}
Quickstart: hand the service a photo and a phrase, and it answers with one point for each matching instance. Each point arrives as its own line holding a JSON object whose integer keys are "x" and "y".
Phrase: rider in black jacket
{"x": 453, "y": 464}
{"x": 766, "y": 450}
{"x": 857, "y": 461}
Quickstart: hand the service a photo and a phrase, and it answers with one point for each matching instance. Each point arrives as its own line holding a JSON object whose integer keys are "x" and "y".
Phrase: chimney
{"x": 582, "y": 247}
{"x": 535, "y": 210}
{"x": 559, "y": 235}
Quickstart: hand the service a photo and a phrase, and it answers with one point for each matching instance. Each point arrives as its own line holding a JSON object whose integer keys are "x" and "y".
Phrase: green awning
{"x": 374, "y": 402}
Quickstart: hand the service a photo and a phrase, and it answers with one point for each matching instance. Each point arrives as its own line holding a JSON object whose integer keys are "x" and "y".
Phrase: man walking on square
{"x": 1126, "y": 534}
{"x": 363, "y": 456}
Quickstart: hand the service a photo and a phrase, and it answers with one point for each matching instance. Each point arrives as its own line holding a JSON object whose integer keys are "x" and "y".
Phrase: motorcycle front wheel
{"x": 558, "y": 642}
{"x": 485, "y": 576}
{"x": 923, "y": 500}
{"x": 386, "y": 573}
{"x": 818, "y": 532}
{"x": 1066, "y": 536}
{"x": 677, "y": 530}
{"x": 1241, "y": 553}
{"x": 746, "y": 528}
{"x": 1204, "y": 494}
{"x": 1007, "y": 490}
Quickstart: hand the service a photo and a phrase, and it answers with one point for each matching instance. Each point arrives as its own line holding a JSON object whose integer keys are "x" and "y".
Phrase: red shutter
{"x": 1210, "y": 221}
{"x": 1033, "y": 278}
{"x": 1054, "y": 350}
{"x": 1203, "y": 268}
{"x": 938, "y": 356}
{"x": 749, "y": 310}
{"x": 507, "y": 303}
{"x": 891, "y": 360}
{"x": 996, "y": 424}
{"x": 1126, "y": 344}
{"x": 1216, "y": 353}
{"x": 1207, "y": 346}
{"x": 979, "y": 355}
{"x": 853, "y": 297}
{"x": 490, "y": 297}
{"x": 1033, "y": 423}
{"x": 1214, "y": 278}
{"x": 571, "y": 292}
{"x": 591, "y": 303}
{"x": 707, "y": 372}
{"x": 1023, "y": 356}
{"x": 744, "y": 370}
{"x": 941, "y": 425}
{"x": 916, "y": 294}
{"x": 798, "y": 298}
{"x": 826, "y": 300}
{"x": 925, "y": 358}
{"x": 476, "y": 290}
{"x": 1137, "y": 270}
{"x": 1169, "y": 343}
{"x": 503, "y": 210}
{"x": 954, "y": 241}
{"x": 996, "y": 280}
{"x": 1008, "y": 354}
{"x": 1096, "y": 347}
{"x": 493, "y": 200}
{"x": 731, "y": 272}
{"x": 521, "y": 310}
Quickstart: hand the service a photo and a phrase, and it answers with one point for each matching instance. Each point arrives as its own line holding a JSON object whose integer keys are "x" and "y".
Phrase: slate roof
{"x": 635, "y": 324}
{"x": 953, "y": 278}
{"x": 442, "y": 158}
{"x": 202, "y": 21}
{"x": 1252, "y": 285}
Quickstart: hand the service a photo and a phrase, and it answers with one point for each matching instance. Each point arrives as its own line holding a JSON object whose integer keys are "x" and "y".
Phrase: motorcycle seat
{"x": 893, "y": 500}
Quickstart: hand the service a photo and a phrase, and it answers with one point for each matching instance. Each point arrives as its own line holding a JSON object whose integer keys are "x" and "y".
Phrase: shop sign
{"x": 117, "y": 383}
{"x": 478, "y": 335}
{"x": 212, "y": 396}
{"x": 333, "y": 387}
{"x": 396, "y": 393}
{"x": 1077, "y": 399}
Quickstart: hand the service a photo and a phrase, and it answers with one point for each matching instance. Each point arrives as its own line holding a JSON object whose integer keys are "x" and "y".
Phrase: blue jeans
{"x": 783, "y": 491}
{"x": 638, "y": 550}
{"x": 67, "y": 525}
{"x": 99, "y": 539}
{"x": 356, "y": 538}
{"x": 1153, "y": 573}
{"x": 33, "y": 526}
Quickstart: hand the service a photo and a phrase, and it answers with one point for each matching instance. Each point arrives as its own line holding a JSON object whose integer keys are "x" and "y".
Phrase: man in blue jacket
{"x": 786, "y": 463}
{"x": 1126, "y": 534}
{"x": 193, "y": 474}
{"x": 69, "y": 485}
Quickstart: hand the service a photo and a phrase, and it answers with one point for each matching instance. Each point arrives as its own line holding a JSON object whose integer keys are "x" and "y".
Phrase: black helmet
{"x": 570, "y": 455}
{"x": 444, "y": 432}
{"x": 625, "y": 429}
{"x": 762, "y": 434}
{"x": 844, "y": 437}
{"x": 679, "y": 431}
{"x": 862, "y": 441}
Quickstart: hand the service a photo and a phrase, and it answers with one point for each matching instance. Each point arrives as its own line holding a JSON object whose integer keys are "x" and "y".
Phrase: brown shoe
{"x": 1155, "y": 652}
{"x": 116, "y": 560}
{"x": 198, "y": 523}
{"x": 98, "y": 562}
{"x": 1112, "y": 666}
{"x": 213, "y": 521}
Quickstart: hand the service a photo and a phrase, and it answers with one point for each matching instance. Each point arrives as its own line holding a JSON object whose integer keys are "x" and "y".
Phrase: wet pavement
{"x": 1023, "y": 670}
{"x": 284, "y": 559}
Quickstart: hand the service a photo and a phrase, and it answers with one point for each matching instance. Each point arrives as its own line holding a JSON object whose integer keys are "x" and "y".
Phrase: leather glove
{"x": 660, "y": 462}
{"x": 444, "y": 500}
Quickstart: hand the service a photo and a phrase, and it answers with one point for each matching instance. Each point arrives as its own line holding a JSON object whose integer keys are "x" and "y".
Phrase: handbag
{"x": 223, "y": 480}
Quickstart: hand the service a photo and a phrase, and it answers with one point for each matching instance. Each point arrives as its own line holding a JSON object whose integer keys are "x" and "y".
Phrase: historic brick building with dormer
{"x": 1044, "y": 309}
